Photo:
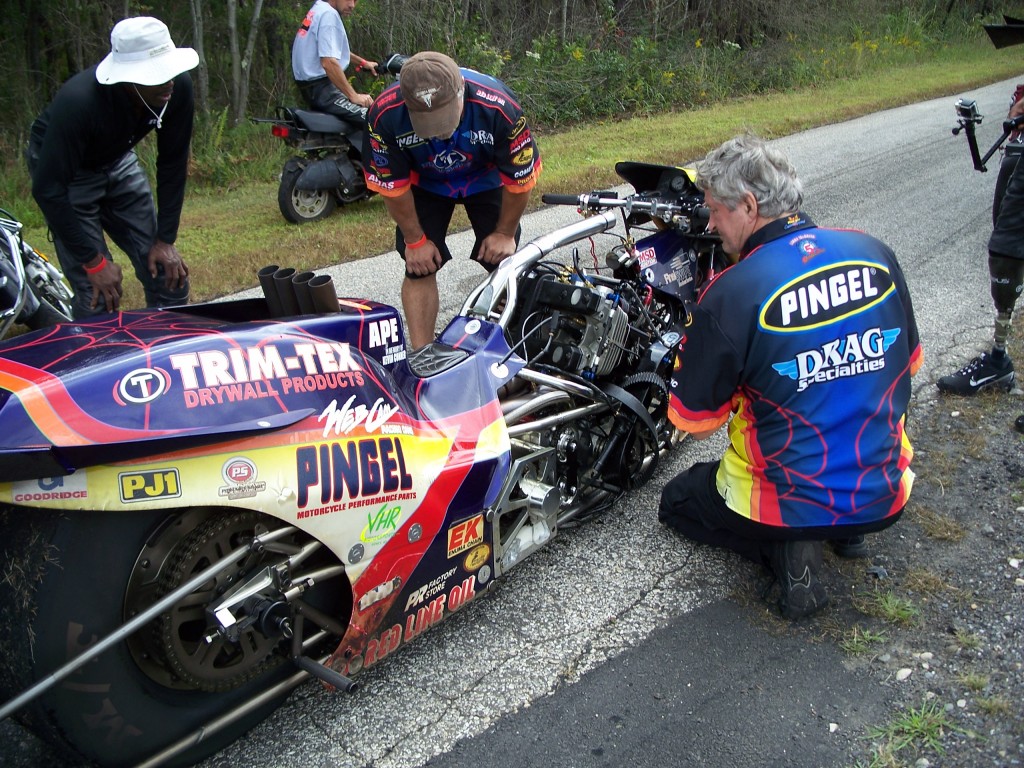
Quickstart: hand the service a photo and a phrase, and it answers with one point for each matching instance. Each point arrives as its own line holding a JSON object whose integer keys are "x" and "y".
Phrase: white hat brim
{"x": 156, "y": 71}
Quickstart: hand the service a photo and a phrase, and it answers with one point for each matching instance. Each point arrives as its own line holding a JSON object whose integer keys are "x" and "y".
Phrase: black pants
{"x": 1006, "y": 244}
{"x": 435, "y": 215}
{"x": 118, "y": 201}
{"x": 692, "y": 505}
{"x": 324, "y": 96}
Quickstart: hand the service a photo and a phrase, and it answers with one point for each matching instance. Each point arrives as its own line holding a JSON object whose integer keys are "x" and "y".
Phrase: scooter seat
{"x": 321, "y": 122}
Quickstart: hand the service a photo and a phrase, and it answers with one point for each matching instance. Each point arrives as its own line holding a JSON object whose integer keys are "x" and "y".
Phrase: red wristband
{"x": 419, "y": 243}
{"x": 98, "y": 268}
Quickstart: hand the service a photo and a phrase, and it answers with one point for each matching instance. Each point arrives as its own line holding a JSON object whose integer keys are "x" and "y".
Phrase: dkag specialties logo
{"x": 825, "y": 296}
{"x": 852, "y": 355}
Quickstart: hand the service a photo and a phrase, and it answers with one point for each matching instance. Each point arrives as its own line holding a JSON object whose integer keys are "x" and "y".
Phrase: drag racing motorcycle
{"x": 203, "y": 507}
{"x": 327, "y": 168}
{"x": 33, "y": 291}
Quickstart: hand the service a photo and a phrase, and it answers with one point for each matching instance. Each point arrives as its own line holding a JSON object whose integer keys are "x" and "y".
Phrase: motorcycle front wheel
{"x": 79, "y": 576}
{"x": 299, "y": 206}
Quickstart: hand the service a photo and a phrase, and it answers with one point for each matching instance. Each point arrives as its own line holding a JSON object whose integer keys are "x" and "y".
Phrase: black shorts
{"x": 324, "y": 96}
{"x": 435, "y": 215}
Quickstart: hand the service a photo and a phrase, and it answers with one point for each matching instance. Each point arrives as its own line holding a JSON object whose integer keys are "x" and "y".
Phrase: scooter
{"x": 327, "y": 169}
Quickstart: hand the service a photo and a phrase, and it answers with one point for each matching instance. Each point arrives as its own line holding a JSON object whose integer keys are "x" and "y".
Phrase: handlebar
{"x": 679, "y": 212}
{"x": 392, "y": 64}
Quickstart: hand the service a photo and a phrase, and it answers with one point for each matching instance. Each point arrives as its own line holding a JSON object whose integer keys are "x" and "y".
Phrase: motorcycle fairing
{"x": 668, "y": 264}
{"x": 649, "y": 177}
{"x": 383, "y": 487}
{"x": 435, "y": 563}
{"x": 141, "y": 376}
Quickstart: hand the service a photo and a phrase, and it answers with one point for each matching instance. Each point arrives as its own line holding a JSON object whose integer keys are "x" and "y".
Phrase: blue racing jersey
{"x": 808, "y": 342}
{"x": 491, "y": 148}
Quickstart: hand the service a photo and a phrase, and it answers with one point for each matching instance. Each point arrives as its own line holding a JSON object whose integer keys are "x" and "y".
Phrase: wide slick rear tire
{"x": 88, "y": 571}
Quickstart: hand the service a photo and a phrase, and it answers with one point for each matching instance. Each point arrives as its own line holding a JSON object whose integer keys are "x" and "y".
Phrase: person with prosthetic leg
{"x": 994, "y": 369}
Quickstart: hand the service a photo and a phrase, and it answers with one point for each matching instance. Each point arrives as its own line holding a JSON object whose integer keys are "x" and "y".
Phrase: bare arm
{"x": 423, "y": 259}
{"x": 337, "y": 76}
{"x": 501, "y": 243}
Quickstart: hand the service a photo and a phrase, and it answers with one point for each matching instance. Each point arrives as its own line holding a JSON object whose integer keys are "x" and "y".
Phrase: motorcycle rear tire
{"x": 73, "y": 571}
{"x": 300, "y": 206}
{"x": 46, "y": 315}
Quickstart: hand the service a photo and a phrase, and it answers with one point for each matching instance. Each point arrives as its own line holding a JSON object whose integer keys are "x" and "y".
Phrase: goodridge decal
{"x": 66, "y": 488}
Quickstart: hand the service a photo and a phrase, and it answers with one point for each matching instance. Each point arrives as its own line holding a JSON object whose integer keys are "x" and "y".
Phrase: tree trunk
{"x": 236, "y": 58}
{"x": 246, "y": 66}
{"x": 203, "y": 73}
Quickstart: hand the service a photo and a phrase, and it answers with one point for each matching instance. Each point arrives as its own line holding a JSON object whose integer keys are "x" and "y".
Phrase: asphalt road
{"x": 617, "y": 644}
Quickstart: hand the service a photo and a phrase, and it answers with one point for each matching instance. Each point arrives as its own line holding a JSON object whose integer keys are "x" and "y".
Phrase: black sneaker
{"x": 854, "y": 546}
{"x": 983, "y": 372}
{"x": 1019, "y": 423}
{"x": 796, "y": 565}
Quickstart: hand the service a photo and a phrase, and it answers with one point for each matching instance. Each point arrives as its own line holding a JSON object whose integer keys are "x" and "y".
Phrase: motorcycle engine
{"x": 575, "y": 326}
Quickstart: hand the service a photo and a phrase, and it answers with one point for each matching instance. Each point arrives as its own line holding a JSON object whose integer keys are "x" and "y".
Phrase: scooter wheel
{"x": 302, "y": 205}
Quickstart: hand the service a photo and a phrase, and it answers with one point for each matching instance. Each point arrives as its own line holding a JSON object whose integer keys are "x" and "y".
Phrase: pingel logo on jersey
{"x": 825, "y": 296}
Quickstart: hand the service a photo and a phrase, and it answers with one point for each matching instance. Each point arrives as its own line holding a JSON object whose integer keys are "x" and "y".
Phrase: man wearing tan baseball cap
{"x": 446, "y": 136}
{"x": 87, "y": 179}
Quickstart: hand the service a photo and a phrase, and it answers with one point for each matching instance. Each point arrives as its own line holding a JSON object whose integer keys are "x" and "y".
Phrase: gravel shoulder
{"x": 936, "y": 613}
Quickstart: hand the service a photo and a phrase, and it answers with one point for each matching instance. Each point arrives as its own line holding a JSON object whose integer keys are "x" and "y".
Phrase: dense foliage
{"x": 568, "y": 60}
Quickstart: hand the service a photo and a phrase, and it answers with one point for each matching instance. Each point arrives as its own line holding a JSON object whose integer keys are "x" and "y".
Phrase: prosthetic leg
{"x": 1007, "y": 279}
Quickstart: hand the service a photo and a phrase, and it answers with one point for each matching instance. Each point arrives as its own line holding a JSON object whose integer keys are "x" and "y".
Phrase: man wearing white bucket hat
{"x": 86, "y": 177}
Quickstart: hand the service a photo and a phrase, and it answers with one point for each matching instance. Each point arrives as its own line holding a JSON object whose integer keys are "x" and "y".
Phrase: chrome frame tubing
{"x": 495, "y": 298}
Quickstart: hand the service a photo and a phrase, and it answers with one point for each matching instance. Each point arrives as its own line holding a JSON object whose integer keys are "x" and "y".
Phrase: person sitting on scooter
{"x": 805, "y": 346}
{"x": 87, "y": 179}
{"x": 320, "y": 56}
